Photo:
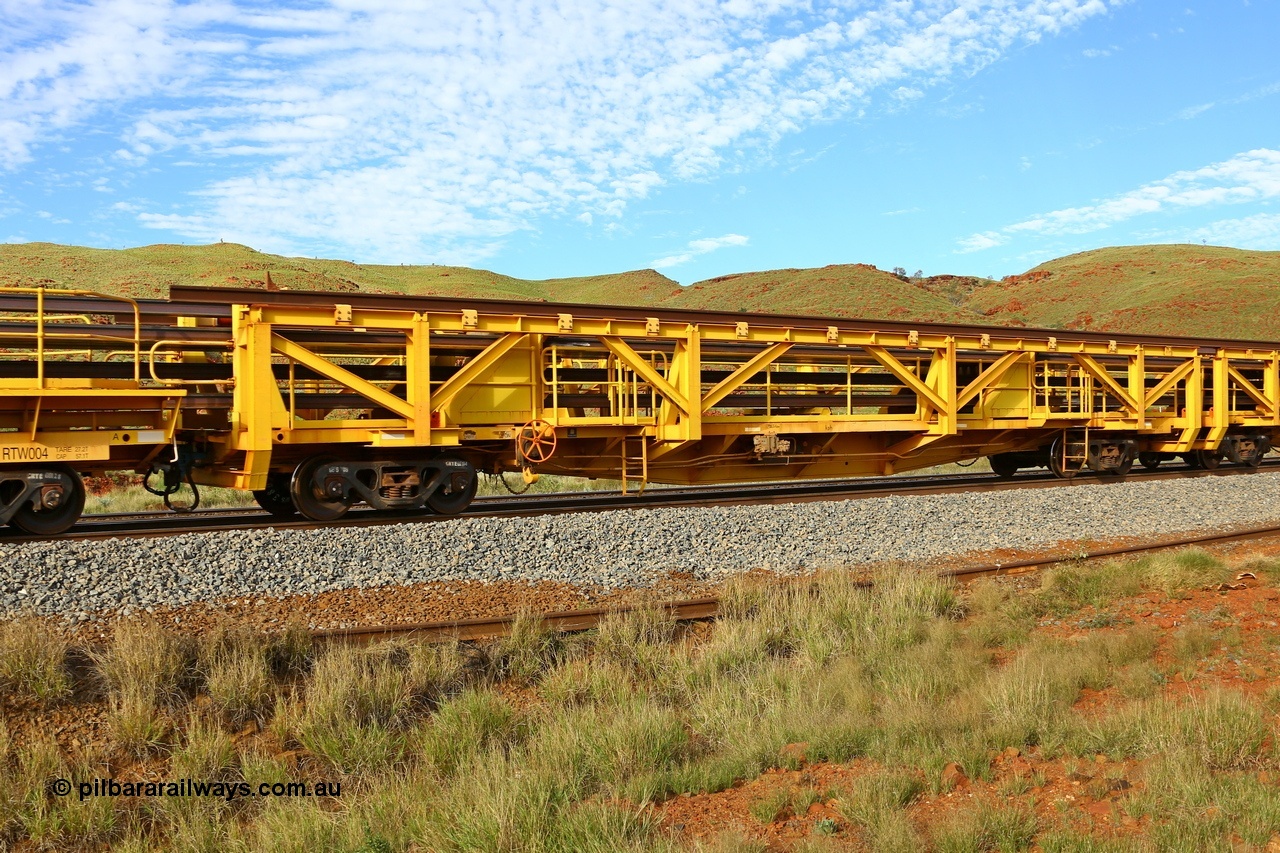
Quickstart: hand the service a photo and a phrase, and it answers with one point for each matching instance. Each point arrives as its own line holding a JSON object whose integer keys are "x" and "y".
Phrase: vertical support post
{"x": 685, "y": 376}
{"x": 1193, "y": 405}
{"x": 40, "y": 337}
{"x": 417, "y": 367}
{"x": 1138, "y": 385}
{"x": 1220, "y": 414}
{"x": 256, "y": 398}
{"x": 947, "y": 389}
{"x": 941, "y": 378}
{"x": 1271, "y": 385}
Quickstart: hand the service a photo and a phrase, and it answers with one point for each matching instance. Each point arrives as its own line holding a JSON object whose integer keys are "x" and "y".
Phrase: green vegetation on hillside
{"x": 149, "y": 271}
{"x": 855, "y": 290}
{"x": 845, "y": 290}
{"x": 1204, "y": 291}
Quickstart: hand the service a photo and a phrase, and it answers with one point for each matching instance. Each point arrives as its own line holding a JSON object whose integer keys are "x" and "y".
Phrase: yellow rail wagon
{"x": 319, "y": 401}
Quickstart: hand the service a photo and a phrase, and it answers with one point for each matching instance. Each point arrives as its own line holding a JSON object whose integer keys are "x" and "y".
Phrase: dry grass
{"x": 33, "y": 661}
{"x": 544, "y": 743}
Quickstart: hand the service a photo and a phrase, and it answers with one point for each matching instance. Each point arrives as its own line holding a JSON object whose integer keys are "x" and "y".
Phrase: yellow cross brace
{"x": 987, "y": 378}
{"x": 338, "y": 373}
{"x": 1182, "y": 371}
{"x": 474, "y": 368}
{"x": 735, "y": 380}
{"x": 1098, "y": 372}
{"x": 915, "y": 383}
{"x": 624, "y": 353}
{"x": 1248, "y": 387}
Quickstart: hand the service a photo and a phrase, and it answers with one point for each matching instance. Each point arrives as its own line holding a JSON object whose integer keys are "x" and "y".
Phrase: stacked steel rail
{"x": 319, "y": 401}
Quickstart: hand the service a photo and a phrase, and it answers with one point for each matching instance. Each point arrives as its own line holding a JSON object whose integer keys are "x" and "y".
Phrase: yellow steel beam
{"x": 1099, "y": 373}
{"x": 735, "y": 380}
{"x": 987, "y": 378}
{"x": 475, "y": 367}
{"x": 1248, "y": 388}
{"x": 624, "y": 353}
{"x": 1193, "y": 406}
{"x": 417, "y": 371}
{"x": 1138, "y": 381}
{"x": 1219, "y": 413}
{"x": 1182, "y": 371}
{"x": 338, "y": 373}
{"x": 900, "y": 370}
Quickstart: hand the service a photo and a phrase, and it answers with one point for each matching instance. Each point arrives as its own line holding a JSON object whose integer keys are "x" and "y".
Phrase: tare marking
{"x": 34, "y": 452}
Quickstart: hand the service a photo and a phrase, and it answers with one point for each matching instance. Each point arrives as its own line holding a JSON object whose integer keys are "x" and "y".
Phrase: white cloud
{"x": 699, "y": 247}
{"x": 985, "y": 240}
{"x": 1253, "y": 176}
{"x": 412, "y": 131}
{"x": 1260, "y": 231}
{"x": 1192, "y": 112}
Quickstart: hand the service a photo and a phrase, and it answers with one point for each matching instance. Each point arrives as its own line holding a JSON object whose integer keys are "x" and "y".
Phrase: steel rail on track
{"x": 699, "y": 609}
{"x": 156, "y": 523}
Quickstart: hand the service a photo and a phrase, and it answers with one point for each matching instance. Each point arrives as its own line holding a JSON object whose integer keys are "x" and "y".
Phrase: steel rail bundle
{"x": 320, "y": 401}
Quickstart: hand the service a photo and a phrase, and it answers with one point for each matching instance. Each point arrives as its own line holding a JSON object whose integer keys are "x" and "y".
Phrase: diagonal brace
{"x": 338, "y": 373}
{"x": 900, "y": 370}
{"x": 1249, "y": 388}
{"x": 1098, "y": 372}
{"x": 625, "y": 354}
{"x": 1182, "y": 371}
{"x": 475, "y": 367}
{"x": 987, "y": 378}
{"x": 739, "y": 377}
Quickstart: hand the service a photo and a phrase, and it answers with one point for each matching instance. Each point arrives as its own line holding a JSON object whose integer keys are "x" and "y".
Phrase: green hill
{"x": 1180, "y": 289}
{"x": 149, "y": 271}
{"x": 846, "y": 290}
{"x": 1171, "y": 289}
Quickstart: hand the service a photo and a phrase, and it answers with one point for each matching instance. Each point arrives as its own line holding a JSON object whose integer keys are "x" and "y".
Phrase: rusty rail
{"x": 709, "y": 608}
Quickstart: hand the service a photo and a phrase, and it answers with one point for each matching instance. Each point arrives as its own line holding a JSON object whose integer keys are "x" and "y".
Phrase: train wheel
{"x": 1149, "y": 461}
{"x": 1055, "y": 461}
{"x": 276, "y": 498}
{"x": 455, "y": 493}
{"x": 1209, "y": 459}
{"x": 52, "y": 520}
{"x": 1003, "y": 465}
{"x": 309, "y": 500}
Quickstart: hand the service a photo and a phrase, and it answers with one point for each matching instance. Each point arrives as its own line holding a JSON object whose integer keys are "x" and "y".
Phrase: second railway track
{"x": 158, "y": 523}
{"x": 709, "y": 607}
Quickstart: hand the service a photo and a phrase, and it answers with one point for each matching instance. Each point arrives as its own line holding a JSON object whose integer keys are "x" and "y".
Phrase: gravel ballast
{"x": 611, "y": 550}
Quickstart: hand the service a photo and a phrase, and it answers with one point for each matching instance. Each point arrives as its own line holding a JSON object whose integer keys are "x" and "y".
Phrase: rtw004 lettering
{"x": 23, "y": 454}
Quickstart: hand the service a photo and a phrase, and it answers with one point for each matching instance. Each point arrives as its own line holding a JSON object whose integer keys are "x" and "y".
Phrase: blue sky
{"x": 542, "y": 138}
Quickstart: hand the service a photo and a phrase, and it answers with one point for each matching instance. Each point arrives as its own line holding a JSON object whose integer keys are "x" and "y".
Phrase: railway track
{"x": 709, "y": 608}
{"x": 150, "y": 524}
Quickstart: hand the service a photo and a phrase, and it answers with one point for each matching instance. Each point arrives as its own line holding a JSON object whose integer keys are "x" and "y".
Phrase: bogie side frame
{"x": 318, "y": 400}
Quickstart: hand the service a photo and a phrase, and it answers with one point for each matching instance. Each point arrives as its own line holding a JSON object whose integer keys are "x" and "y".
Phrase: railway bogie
{"x": 319, "y": 402}
{"x": 42, "y": 500}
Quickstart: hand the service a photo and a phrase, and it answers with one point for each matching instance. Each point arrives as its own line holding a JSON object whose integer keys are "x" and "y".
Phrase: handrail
{"x": 42, "y": 292}
{"x": 222, "y": 343}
